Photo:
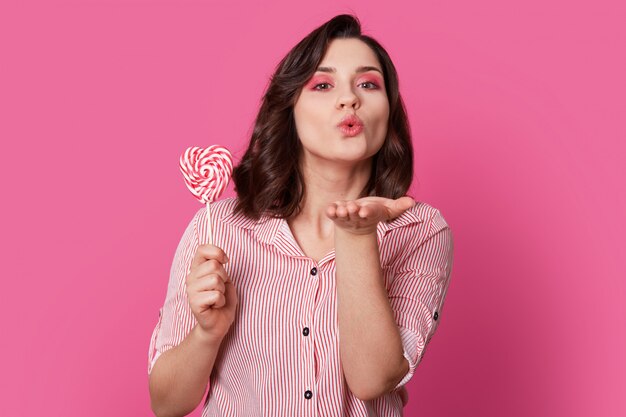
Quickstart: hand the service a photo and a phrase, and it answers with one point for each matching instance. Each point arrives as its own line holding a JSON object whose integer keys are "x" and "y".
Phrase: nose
{"x": 347, "y": 99}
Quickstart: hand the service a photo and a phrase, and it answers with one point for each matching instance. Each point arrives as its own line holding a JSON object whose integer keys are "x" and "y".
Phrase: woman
{"x": 325, "y": 282}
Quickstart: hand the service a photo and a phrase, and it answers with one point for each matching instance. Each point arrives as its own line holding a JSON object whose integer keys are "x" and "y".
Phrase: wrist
{"x": 206, "y": 338}
{"x": 354, "y": 234}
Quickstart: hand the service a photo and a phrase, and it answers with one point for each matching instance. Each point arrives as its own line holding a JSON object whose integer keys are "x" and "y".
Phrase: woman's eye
{"x": 369, "y": 82}
{"x": 316, "y": 86}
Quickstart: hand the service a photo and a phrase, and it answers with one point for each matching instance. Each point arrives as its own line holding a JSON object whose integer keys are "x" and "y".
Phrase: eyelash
{"x": 364, "y": 82}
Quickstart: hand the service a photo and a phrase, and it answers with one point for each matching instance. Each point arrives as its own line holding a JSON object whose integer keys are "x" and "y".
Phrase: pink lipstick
{"x": 350, "y": 125}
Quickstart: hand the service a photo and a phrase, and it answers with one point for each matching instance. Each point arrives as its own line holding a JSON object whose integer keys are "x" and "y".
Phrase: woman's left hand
{"x": 361, "y": 216}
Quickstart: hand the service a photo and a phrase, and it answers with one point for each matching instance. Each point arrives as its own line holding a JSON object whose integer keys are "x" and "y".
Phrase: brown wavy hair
{"x": 268, "y": 180}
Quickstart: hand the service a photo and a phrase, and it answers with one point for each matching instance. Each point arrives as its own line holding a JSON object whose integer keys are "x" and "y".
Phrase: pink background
{"x": 517, "y": 111}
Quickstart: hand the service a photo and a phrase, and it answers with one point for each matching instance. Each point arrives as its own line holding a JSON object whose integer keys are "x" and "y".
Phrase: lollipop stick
{"x": 208, "y": 216}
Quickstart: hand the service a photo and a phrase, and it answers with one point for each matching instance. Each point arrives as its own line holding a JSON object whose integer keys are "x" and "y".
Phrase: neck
{"x": 326, "y": 183}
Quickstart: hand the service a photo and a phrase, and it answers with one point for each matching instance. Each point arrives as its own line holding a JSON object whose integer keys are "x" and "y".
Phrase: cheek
{"x": 382, "y": 120}
{"x": 309, "y": 118}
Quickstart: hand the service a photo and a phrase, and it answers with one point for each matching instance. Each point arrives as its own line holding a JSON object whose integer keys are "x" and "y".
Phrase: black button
{"x": 436, "y": 316}
{"x": 305, "y": 331}
{"x": 308, "y": 394}
{"x": 314, "y": 271}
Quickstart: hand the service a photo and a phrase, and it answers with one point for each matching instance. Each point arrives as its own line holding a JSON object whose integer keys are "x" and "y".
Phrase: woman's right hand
{"x": 212, "y": 296}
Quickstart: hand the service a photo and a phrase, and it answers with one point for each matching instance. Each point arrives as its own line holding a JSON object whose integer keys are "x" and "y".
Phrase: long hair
{"x": 268, "y": 180}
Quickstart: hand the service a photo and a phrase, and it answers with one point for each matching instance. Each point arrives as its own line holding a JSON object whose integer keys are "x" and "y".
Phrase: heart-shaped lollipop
{"x": 207, "y": 172}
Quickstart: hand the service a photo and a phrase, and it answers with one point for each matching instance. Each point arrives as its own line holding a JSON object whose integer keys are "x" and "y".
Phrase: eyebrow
{"x": 362, "y": 68}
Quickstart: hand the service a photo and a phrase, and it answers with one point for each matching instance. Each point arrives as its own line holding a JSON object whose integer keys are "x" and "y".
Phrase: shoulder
{"x": 406, "y": 236}
{"x": 431, "y": 215}
{"x": 223, "y": 215}
{"x": 425, "y": 211}
{"x": 221, "y": 222}
{"x": 224, "y": 207}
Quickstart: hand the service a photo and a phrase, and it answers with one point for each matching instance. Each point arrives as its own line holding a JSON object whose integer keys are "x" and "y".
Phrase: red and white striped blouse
{"x": 281, "y": 355}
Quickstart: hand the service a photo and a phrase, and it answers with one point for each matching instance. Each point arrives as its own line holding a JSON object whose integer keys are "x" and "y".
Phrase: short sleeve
{"x": 419, "y": 278}
{"x": 176, "y": 319}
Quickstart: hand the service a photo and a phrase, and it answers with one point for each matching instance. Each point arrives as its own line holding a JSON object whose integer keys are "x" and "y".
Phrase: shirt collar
{"x": 265, "y": 228}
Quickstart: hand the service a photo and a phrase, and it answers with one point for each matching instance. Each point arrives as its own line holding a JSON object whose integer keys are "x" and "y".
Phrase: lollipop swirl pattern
{"x": 206, "y": 171}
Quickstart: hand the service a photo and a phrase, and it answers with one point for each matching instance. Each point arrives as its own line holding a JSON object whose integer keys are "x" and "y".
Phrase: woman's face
{"x": 348, "y": 81}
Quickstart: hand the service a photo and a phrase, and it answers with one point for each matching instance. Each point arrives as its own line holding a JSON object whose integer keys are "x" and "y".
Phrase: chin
{"x": 358, "y": 153}
{"x": 354, "y": 158}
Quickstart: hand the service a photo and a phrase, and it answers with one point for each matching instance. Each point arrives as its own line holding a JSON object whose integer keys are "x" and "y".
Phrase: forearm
{"x": 370, "y": 344}
{"x": 181, "y": 374}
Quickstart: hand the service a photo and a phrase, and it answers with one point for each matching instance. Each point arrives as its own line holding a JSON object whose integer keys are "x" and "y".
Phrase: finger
{"x": 220, "y": 302}
{"x": 206, "y": 252}
{"x": 230, "y": 295}
{"x": 353, "y": 209}
{"x": 203, "y": 271}
{"x": 210, "y": 267}
{"x": 209, "y": 299}
{"x": 208, "y": 283}
{"x": 342, "y": 211}
{"x": 401, "y": 205}
{"x": 365, "y": 212}
{"x": 362, "y": 210}
{"x": 331, "y": 210}
{"x": 405, "y": 203}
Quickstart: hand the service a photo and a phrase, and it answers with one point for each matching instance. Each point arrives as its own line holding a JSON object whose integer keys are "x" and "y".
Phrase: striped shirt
{"x": 281, "y": 354}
